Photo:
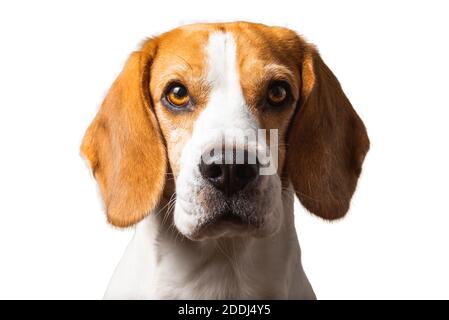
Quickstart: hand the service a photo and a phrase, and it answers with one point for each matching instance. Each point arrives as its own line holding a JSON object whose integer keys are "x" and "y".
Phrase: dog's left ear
{"x": 327, "y": 142}
{"x": 123, "y": 145}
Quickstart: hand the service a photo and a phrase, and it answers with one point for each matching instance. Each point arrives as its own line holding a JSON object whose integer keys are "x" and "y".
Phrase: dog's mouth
{"x": 231, "y": 217}
{"x": 226, "y": 224}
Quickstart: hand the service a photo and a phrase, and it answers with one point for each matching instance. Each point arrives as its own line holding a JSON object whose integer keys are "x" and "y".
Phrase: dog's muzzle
{"x": 227, "y": 195}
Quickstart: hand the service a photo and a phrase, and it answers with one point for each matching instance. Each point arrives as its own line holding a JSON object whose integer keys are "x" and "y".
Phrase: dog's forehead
{"x": 257, "y": 46}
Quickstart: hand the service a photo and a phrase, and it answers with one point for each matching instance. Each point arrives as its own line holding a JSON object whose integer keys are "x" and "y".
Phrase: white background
{"x": 57, "y": 60}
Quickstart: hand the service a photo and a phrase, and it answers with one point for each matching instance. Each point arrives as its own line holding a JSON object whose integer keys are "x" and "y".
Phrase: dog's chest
{"x": 157, "y": 265}
{"x": 217, "y": 279}
{"x": 220, "y": 270}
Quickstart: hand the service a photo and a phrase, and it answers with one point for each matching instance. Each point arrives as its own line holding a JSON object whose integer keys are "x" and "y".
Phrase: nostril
{"x": 212, "y": 171}
{"x": 246, "y": 172}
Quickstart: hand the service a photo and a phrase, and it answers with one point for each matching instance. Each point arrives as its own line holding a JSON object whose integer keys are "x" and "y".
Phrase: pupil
{"x": 179, "y": 91}
{"x": 277, "y": 92}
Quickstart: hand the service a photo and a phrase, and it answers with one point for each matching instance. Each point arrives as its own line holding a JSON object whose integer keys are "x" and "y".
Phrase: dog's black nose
{"x": 230, "y": 176}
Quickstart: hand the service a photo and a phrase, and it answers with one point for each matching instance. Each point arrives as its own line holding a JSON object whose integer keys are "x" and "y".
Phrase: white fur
{"x": 159, "y": 263}
{"x": 226, "y": 115}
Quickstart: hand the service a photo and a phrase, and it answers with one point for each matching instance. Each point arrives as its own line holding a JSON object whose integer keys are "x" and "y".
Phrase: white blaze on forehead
{"x": 221, "y": 54}
{"x": 226, "y": 108}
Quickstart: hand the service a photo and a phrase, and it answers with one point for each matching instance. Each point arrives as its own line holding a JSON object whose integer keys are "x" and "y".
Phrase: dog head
{"x": 226, "y": 116}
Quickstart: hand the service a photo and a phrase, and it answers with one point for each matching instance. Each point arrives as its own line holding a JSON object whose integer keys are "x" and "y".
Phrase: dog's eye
{"x": 277, "y": 93}
{"x": 177, "y": 95}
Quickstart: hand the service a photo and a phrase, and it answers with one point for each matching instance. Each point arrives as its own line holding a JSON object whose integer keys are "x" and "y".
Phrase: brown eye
{"x": 277, "y": 93}
{"x": 177, "y": 95}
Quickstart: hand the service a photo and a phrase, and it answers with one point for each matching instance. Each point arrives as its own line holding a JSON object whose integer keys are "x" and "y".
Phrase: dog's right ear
{"x": 123, "y": 145}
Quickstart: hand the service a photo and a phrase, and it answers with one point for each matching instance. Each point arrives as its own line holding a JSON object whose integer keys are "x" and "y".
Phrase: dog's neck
{"x": 172, "y": 266}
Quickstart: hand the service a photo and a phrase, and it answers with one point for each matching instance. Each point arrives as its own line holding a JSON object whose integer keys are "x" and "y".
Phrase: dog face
{"x": 225, "y": 111}
{"x": 226, "y": 116}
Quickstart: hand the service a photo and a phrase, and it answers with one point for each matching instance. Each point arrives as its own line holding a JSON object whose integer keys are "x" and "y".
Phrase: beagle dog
{"x": 201, "y": 144}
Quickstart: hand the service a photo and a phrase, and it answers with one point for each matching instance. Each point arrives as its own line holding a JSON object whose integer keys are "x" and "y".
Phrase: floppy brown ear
{"x": 123, "y": 146}
{"x": 327, "y": 142}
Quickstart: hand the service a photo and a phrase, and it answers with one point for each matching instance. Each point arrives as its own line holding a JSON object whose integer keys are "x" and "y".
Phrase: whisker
{"x": 161, "y": 209}
{"x": 170, "y": 206}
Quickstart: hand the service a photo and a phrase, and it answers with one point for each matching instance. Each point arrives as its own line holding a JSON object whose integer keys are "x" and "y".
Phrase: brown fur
{"x": 124, "y": 148}
{"x": 327, "y": 142}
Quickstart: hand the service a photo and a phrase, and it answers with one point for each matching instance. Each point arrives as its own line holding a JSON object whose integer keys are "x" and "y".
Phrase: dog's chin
{"x": 202, "y": 226}
{"x": 229, "y": 230}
